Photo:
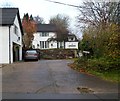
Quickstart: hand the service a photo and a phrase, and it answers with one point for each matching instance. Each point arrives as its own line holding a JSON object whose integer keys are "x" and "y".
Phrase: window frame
{"x": 15, "y": 29}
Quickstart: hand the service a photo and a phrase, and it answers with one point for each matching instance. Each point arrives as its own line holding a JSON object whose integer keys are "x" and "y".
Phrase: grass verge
{"x": 112, "y": 76}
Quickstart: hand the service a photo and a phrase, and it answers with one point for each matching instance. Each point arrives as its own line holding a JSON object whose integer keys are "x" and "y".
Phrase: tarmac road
{"x": 52, "y": 79}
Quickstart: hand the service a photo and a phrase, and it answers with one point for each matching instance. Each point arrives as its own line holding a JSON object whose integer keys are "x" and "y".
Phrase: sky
{"x": 47, "y": 9}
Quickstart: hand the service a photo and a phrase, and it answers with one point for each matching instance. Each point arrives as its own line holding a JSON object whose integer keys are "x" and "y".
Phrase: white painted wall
{"x": 52, "y": 44}
{"x": 4, "y": 42}
{"x": 71, "y": 45}
{"x": 15, "y": 38}
{"x": 38, "y": 38}
{"x": 4, "y": 45}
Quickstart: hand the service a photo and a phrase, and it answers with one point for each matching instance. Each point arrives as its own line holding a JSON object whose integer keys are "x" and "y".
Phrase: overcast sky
{"x": 46, "y": 9}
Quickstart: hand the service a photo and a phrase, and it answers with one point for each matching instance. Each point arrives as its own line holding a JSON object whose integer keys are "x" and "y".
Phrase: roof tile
{"x": 46, "y": 28}
{"x": 7, "y": 15}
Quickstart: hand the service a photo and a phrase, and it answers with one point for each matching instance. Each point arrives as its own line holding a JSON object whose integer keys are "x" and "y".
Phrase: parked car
{"x": 31, "y": 55}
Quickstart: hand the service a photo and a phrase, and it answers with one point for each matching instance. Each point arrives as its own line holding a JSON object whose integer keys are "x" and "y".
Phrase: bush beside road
{"x": 102, "y": 68}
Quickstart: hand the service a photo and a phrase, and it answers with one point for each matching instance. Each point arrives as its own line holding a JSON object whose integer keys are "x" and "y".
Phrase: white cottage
{"x": 44, "y": 32}
{"x": 48, "y": 31}
{"x": 10, "y": 35}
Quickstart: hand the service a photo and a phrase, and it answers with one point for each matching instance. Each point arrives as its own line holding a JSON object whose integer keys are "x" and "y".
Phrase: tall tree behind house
{"x": 29, "y": 27}
{"x": 62, "y": 24}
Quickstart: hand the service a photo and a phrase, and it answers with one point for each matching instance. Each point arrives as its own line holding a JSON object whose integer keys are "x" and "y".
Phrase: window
{"x": 44, "y": 34}
{"x": 44, "y": 44}
{"x": 72, "y": 45}
{"x": 61, "y": 46}
{"x": 47, "y": 44}
{"x": 40, "y": 44}
{"x": 15, "y": 30}
{"x": 71, "y": 39}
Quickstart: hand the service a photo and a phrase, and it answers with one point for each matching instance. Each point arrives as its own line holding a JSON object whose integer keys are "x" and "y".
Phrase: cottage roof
{"x": 7, "y": 17}
{"x": 46, "y": 28}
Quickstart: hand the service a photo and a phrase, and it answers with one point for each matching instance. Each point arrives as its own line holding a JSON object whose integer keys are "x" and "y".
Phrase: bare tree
{"x": 97, "y": 13}
{"x": 39, "y": 19}
{"x": 100, "y": 22}
{"x": 62, "y": 24}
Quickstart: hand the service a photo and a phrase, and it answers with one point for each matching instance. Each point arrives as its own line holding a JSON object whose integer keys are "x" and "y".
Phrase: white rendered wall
{"x": 38, "y": 38}
{"x": 14, "y": 38}
{"x": 53, "y": 44}
{"x": 71, "y": 45}
{"x": 41, "y": 38}
{"x": 4, "y": 45}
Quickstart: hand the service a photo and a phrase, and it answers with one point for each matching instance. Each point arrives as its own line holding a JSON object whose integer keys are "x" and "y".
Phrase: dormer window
{"x": 71, "y": 39}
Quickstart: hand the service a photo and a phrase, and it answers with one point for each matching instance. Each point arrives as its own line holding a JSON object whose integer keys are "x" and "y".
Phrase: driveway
{"x": 51, "y": 77}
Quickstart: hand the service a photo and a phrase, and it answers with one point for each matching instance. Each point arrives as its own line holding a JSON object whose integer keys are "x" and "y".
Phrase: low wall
{"x": 57, "y": 53}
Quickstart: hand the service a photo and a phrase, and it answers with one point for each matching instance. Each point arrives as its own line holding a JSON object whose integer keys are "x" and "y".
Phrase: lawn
{"x": 112, "y": 76}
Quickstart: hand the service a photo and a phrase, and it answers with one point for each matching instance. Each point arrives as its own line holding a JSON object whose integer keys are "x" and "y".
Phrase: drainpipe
{"x": 9, "y": 46}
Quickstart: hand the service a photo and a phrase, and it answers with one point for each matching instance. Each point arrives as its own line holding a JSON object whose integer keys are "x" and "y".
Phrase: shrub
{"x": 81, "y": 62}
{"x": 99, "y": 64}
{"x": 103, "y": 64}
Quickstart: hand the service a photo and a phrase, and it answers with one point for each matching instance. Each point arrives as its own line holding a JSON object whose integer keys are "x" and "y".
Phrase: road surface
{"x": 52, "y": 79}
